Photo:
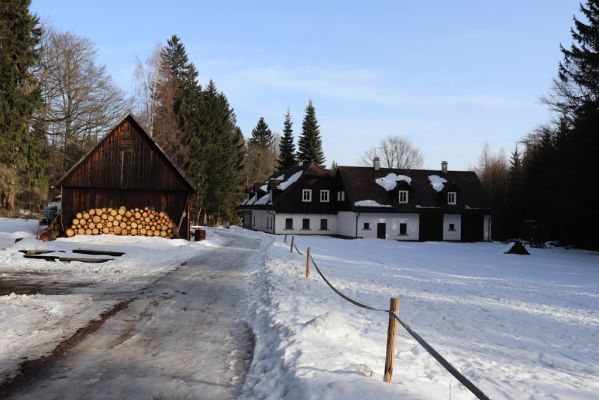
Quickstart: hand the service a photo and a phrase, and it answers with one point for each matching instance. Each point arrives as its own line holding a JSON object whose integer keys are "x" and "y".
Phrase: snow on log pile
{"x": 124, "y": 222}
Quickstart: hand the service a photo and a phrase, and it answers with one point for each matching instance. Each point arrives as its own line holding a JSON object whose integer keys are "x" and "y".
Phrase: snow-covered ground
{"x": 72, "y": 294}
{"x": 519, "y": 327}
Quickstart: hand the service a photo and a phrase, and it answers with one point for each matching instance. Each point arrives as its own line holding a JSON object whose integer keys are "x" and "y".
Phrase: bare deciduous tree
{"x": 148, "y": 75}
{"x": 394, "y": 152}
{"x": 261, "y": 162}
{"x": 81, "y": 100}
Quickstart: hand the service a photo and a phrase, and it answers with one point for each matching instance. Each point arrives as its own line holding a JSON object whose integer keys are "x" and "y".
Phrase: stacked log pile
{"x": 123, "y": 221}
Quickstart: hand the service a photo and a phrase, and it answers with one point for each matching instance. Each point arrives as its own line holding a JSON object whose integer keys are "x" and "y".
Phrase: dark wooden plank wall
{"x": 126, "y": 159}
{"x": 126, "y": 169}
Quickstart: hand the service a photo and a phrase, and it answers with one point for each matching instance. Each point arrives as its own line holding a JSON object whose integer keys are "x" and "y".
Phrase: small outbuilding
{"x": 127, "y": 168}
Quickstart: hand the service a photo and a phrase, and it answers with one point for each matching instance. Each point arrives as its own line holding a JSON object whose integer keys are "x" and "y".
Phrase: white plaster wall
{"x": 488, "y": 225}
{"x": 260, "y": 220}
{"x": 346, "y": 223}
{"x": 392, "y": 221}
{"x": 314, "y": 224}
{"x": 455, "y": 219}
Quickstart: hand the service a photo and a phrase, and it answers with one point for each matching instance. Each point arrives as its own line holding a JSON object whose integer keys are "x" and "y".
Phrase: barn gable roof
{"x": 152, "y": 143}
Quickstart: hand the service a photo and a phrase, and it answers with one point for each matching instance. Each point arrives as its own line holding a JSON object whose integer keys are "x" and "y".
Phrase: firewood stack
{"x": 123, "y": 221}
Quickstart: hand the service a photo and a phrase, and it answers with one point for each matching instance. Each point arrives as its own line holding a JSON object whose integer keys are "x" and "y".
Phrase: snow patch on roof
{"x": 437, "y": 182}
{"x": 290, "y": 181}
{"x": 263, "y": 200}
{"x": 389, "y": 182}
{"x": 369, "y": 203}
{"x": 278, "y": 178}
{"x": 264, "y": 188}
{"x": 252, "y": 200}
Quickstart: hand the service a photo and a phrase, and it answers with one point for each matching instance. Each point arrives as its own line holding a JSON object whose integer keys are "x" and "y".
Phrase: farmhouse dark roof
{"x": 145, "y": 135}
{"x": 360, "y": 185}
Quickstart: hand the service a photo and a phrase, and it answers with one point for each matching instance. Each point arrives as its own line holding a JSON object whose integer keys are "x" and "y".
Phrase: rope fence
{"x": 389, "y": 362}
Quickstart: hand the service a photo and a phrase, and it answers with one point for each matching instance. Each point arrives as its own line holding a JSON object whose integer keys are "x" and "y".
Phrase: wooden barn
{"x": 127, "y": 168}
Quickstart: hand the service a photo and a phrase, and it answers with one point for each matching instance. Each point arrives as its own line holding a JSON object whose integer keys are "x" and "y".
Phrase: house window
{"x": 307, "y": 195}
{"x": 306, "y": 224}
{"x": 451, "y": 227}
{"x": 366, "y": 226}
{"x": 403, "y": 196}
{"x": 288, "y": 223}
{"x": 403, "y": 229}
{"x": 451, "y": 197}
{"x": 324, "y": 196}
{"x": 324, "y": 224}
{"x": 341, "y": 196}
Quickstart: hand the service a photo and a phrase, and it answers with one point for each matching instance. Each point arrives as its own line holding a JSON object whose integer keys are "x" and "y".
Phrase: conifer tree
{"x": 286, "y": 146}
{"x": 261, "y": 135}
{"x": 20, "y": 147}
{"x": 310, "y": 143}
{"x": 579, "y": 70}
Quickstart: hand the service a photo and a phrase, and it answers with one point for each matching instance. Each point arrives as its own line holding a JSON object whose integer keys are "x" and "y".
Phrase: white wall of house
{"x": 262, "y": 221}
{"x": 280, "y": 224}
{"x": 488, "y": 225}
{"x": 346, "y": 223}
{"x": 456, "y": 233}
{"x": 392, "y": 222}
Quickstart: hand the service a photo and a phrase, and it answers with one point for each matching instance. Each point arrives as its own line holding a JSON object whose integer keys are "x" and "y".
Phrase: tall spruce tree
{"x": 310, "y": 143}
{"x": 261, "y": 135}
{"x": 286, "y": 146}
{"x": 21, "y": 147}
{"x": 579, "y": 70}
{"x": 223, "y": 151}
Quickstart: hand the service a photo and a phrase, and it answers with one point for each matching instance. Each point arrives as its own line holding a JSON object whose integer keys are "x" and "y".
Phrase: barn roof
{"x": 427, "y": 189}
{"x": 129, "y": 117}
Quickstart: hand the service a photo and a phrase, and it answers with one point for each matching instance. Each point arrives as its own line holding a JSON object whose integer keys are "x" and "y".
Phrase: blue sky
{"x": 449, "y": 75}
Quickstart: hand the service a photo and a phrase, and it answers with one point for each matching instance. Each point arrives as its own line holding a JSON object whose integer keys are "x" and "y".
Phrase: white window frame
{"x": 324, "y": 196}
{"x": 341, "y": 195}
{"x": 407, "y": 199}
{"x": 306, "y": 195}
{"x": 452, "y": 198}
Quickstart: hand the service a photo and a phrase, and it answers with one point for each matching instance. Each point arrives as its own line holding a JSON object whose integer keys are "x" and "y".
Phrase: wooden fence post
{"x": 285, "y": 240}
{"x": 391, "y": 333}
{"x": 291, "y": 247}
{"x": 308, "y": 262}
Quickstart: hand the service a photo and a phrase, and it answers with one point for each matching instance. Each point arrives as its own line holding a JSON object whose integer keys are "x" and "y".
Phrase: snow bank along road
{"x": 181, "y": 338}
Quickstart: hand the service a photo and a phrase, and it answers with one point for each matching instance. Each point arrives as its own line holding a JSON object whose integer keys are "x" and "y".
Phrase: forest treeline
{"x": 56, "y": 103}
{"x": 548, "y": 188}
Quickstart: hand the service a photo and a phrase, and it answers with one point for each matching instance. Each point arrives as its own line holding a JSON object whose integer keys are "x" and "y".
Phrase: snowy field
{"x": 519, "y": 327}
{"x": 70, "y": 295}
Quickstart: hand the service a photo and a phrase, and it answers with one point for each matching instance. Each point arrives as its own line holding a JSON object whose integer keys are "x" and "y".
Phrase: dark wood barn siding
{"x": 126, "y": 160}
{"x": 125, "y": 169}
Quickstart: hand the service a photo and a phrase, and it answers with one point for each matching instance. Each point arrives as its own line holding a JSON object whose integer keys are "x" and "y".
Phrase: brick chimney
{"x": 444, "y": 166}
{"x": 376, "y": 163}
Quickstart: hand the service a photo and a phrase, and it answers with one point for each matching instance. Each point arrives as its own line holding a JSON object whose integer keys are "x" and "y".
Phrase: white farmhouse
{"x": 410, "y": 204}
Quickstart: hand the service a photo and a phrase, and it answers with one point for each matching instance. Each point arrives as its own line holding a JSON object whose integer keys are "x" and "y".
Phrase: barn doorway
{"x": 431, "y": 227}
{"x": 381, "y": 230}
{"x": 473, "y": 228}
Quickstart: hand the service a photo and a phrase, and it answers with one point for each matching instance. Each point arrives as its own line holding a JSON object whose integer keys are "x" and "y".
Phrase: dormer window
{"x": 451, "y": 198}
{"x": 324, "y": 196}
{"x": 403, "y": 196}
{"x": 307, "y": 195}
